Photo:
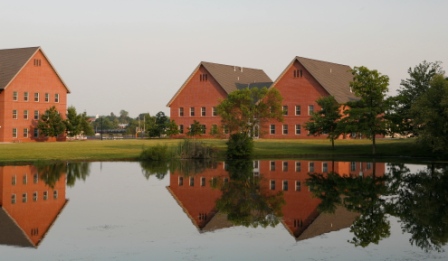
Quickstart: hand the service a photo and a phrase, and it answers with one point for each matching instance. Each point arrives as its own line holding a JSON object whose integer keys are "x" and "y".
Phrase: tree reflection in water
{"x": 243, "y": 201}
{"x": 419, "y": 200}
{"x": 50, "y": 172}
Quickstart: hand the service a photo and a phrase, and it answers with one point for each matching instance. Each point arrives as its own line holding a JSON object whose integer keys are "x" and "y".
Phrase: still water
{"x": 257, "y": 210}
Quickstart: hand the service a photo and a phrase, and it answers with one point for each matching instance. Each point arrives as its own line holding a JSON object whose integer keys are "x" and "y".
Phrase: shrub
{"x": 157, "y": 153}
{"x": 240, "y": 146}
{"x": 189, "y": 149}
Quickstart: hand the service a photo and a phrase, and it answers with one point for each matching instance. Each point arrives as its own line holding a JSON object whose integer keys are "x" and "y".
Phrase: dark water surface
{"x": 258, "y": 210}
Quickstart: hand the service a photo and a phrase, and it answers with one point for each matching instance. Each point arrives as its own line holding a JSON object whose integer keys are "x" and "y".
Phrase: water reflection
{"x": 31, "y": 199}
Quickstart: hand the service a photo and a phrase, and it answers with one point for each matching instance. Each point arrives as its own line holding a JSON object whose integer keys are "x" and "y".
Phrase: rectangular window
{"x": 14, "y": 114}
{"x": 35, "y": 132}
{"x": 214, "y": 129}
{"x": 15, "y": 96}
{"x": 310, "y": 109}
{"x": 47, "y": 97}
{"x": 35, "y": 178}
{"x": 203, "y": 129}
{"x": 285, "y": 129}
{"x": 298, "y": 129}
{"x": 25, "y": 179}
{"x": 36, "y": 115}
{"x": 45, "y": 197}
{"x": 13, "y": 199}
{"x": 298, "y": 110}
{"x": 272, "y": 185}
{"x": 181, "y": 128}
{"x": 285, "y": 185}
{"x": 35, "y": 196}
{"x": 298, "y": 185}
{"x": 25, "y": 133}
{"x": 298, "y": 166}
{"x": 311, "y": 167}
{"x": 56, "y": 97}
{"x": 202, "y": 182}
{"x": 203, "y": 77}
{"x": 192, "y": 111}
{"x": 36, "y": 96}
{"x": 324, "y": 167}
{"x": 272, "y": 165}
{"x": 181, "y": 181}
{"x": 285, "y": 166}
{"x": 55, "y": 194}
{"x": 215, "y": 112}
{"x": 24, "y": 197}
{"x": 191, "y": 181}
{"x": 272, "y": 129}
{"x": 297, "y": 73}
{"x": 203, "y": 111}
{"x": 25, "y": 96}
{"x": 181, "y": 111}
{"x": 352, "y": 166}
{"x": 369, "y": 165}
{"x": 285, "y": 110}
{"x": 14, "y": 180}
{"x": 25, "y": 114}
{"x": 14, "y": 132}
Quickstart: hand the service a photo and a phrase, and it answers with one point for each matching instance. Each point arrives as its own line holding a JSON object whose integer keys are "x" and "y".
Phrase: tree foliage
{"x": 326, "y": 120}
{"x": 367, "y": 115}
{"x": 77, "y": 123}
{"x": 51, "y": 123}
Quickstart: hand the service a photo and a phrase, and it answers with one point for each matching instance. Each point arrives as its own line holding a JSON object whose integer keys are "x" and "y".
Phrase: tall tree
{"x": 431, "y": 115}
{"x": 367, "y": 115}
{"x": 77, "y": 123}
{"x": 326, "y": 120}
{"x": 51, "y": 123}
{"x": 411, "y": 89}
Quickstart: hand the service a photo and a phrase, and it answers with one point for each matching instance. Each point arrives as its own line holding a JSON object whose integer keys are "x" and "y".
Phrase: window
{"x": 214, "y": 129}
{"x": 192, "y": 111}
{"x": 55, "y": 194}
{"x": 25, "y": 96}
{"x": 24, "y": 197}
{"x": 311, "y": 167}
{"x": 203, "y": 129}
{"x": 25, "y": 133}
{"x": 272, "y": 165}
{"x": 310, "y": 109}
{"x": 35, "y": 132}
{"x": 14, "y": 114}
{"x": 285, "y": 110}
{"x": 285, "y": 166}
{"x": 36, "y": 96}
{"x": 181, "y": 111}
{"x": 36, "y": 115}
{"x": 215, "y": 112}
{"x": 285, "y": 185}
{"x": 35, "y": 196}
{"x": 191, "y": 181}
{"x": 298, "y": 129}
{"x": 13, "y": 199}
{"x": 298, "y": 111}
{"x": 272, "y": 129}
{"x": 285, "y": 129}
{"x": 14, "y": 132}
{"x": 25, "y": 114}
{"x": 37, "y": 62}
{"x": 181, "y": 128}
{"x": 24, "y": 179}
{"x": 352, "y": 166}
{"x": 56, "y": 97}
{"x": 35, "y": 178}
{"x": 15, "y": 96}
{"x": 45, "y": 197}
{"x": 297, "y": 73}
{"x": 181, "y": 181}
{"x": 13, "y": 180}
{"x": 272, "y": 185}
{"x": 203, "y": 111}
{"x": 369, "y": 165}
{"x": 47, "y": 97}
{"x": 324, "y": 167}
{"x": 298, "y": 166}
{"x": 202, "y": 182}
{"x": 203, "y": 77}
{"x": 298, "y": 185}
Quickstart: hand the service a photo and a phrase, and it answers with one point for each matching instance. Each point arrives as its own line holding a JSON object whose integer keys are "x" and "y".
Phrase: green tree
{"x": 195, "y": 129}
{"x": 411, "y": 89}
{"x": 77, "y": 123}
{"x": 431, "y": 115}
{"x": 326, "y": 120}
{"x": 245, "y": 109}
{"x": 367, "y": 115}
{"x": 51, "y": 123}
{"x": 161, "y": 122}
{"x": 171, "y": 128}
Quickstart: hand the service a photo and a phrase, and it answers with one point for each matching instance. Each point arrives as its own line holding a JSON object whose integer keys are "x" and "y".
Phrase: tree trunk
{"x": 373, "y": 145}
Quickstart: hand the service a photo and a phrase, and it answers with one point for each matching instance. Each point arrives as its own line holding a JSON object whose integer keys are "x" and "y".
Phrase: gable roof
{"x": 231, "y": 78}
{"x": 13, "y": 60}
{"x": 334, "y": 78}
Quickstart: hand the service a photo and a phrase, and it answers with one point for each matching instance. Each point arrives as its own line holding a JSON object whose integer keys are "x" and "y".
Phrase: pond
{"x": 240, "y": 210}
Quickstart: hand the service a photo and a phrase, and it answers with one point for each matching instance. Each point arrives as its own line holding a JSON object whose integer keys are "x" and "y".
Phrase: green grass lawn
{"x": 130, "y": 149}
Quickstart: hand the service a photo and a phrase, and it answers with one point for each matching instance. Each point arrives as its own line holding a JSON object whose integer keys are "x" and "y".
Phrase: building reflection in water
{"x": 198, "y": 194}
{"x": 30, "y": 202}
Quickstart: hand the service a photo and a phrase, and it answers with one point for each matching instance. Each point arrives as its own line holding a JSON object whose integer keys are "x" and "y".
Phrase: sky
{"x": 134, "y": 55}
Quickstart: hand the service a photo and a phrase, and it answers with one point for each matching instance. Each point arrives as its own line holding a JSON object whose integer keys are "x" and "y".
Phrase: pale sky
{"x": 134, "y": 55}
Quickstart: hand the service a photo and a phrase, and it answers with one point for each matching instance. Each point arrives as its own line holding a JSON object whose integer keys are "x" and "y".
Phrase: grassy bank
{"x": 264, "y": 149}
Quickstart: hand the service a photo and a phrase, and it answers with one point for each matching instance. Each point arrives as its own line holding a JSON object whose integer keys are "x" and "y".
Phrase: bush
{"x": 240, "y": 146}
{"x": 195, "y": 150}
{"x": 157, "y": 153}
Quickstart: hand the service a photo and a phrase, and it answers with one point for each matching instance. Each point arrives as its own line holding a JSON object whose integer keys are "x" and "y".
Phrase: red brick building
{"x": 301, "y": 84}
{"x": 29, "y": 85}
{"x": 205, "y": 88}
